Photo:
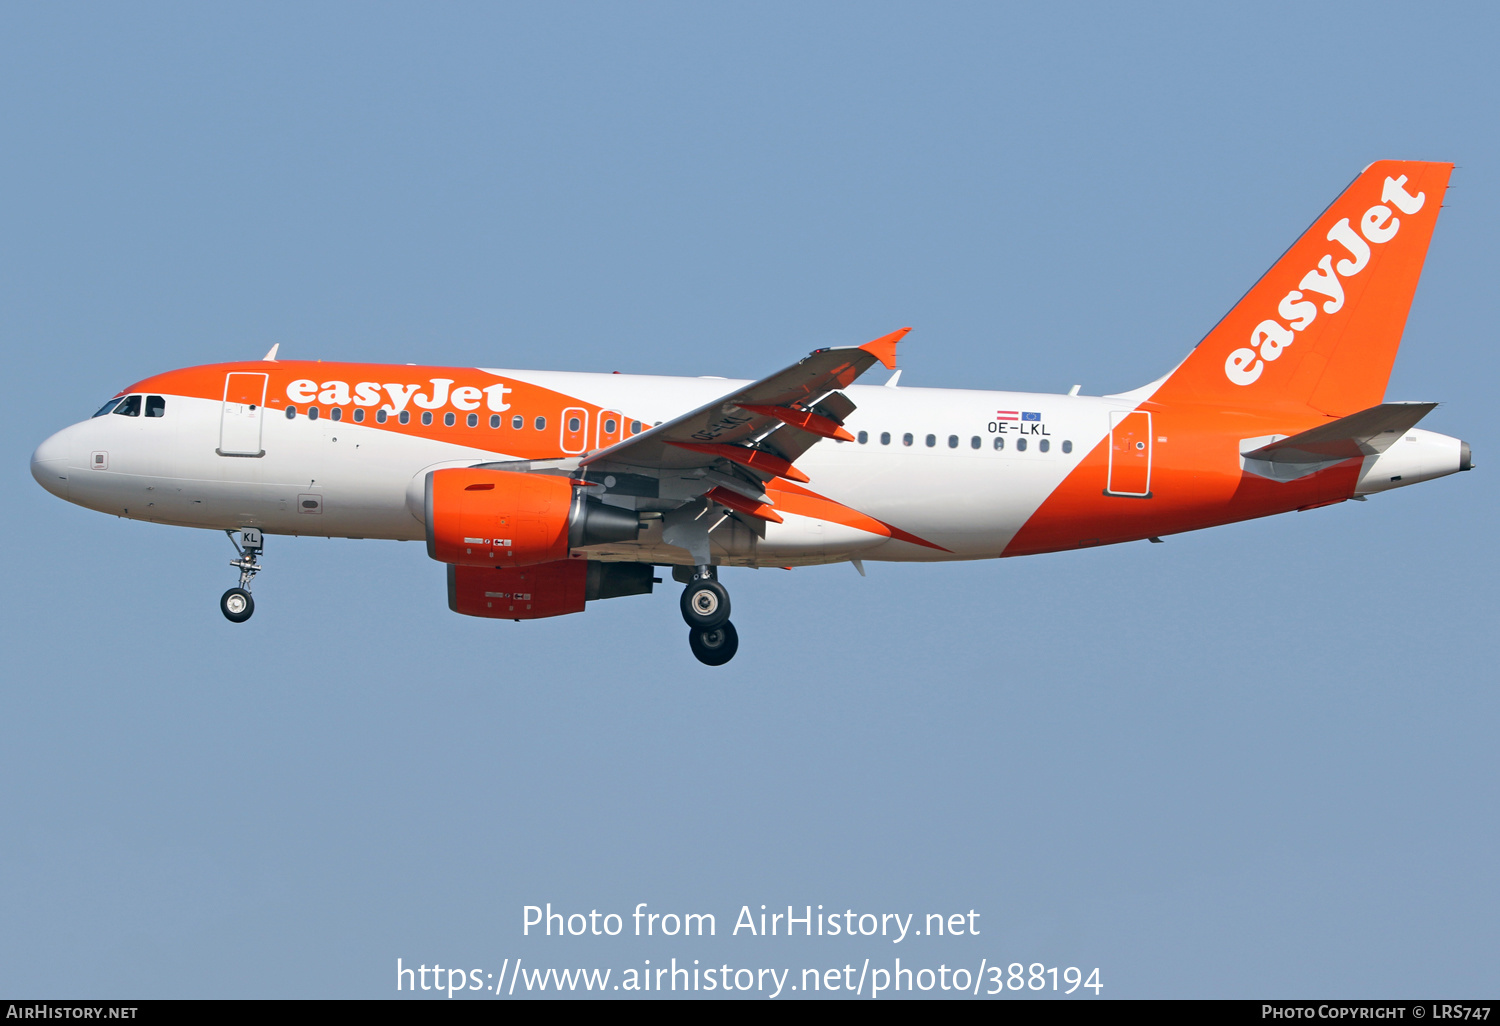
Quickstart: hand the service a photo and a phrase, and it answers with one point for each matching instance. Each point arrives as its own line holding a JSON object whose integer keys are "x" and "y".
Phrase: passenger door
{"x": 243, "y": 413}
{"x": 1129, "y": 454}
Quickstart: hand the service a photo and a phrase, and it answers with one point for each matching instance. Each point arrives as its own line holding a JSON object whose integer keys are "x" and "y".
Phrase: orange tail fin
{"x": 1321, "y": 327}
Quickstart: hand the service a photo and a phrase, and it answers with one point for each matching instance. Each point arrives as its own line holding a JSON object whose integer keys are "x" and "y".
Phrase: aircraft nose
{"x": 50, "y": 465}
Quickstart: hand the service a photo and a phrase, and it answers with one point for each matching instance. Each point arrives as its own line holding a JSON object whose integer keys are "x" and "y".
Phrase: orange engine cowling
{"x": 499, "y": 518}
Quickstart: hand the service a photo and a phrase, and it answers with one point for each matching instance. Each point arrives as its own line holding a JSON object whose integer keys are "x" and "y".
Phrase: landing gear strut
{"x": 705, "y": 609}
{"x": 237, "y": 604}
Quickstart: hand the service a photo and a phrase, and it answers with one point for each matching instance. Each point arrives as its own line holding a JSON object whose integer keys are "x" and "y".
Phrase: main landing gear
{"x": 237, "y": 604}
{"x": 714, "y": 647}
{"x": 705, "y": 608}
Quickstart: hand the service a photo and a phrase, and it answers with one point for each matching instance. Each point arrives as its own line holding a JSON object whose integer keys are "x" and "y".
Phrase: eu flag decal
{"x": 1031, "y": 416}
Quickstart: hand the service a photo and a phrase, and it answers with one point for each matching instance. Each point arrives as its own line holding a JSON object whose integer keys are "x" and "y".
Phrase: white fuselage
{"x": 340, "y": 479}
{"x": 961, "y": 470}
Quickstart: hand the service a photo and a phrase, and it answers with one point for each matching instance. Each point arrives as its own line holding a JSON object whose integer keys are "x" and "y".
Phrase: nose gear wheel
{"x": 237, "y": 604}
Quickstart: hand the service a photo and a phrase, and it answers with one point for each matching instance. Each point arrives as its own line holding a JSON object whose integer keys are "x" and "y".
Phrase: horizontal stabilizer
{"x": 1366, "y": 433}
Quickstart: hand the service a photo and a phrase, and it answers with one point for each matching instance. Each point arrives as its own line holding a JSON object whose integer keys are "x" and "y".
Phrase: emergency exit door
{"x": 243, "y": 414}
{"x": 575, "y": 430}
{"x": 611, "y": 426}
{"x": 1129, "y": 454}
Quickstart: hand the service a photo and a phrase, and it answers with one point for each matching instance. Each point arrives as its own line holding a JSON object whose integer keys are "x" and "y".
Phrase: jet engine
{"x": 499, "y": 518}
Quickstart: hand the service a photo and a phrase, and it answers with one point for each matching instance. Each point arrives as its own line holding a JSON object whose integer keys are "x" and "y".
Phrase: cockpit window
{"x": 107, "y": 407}
{"x": 156, "y": 406}
{"x": 130, "y": 406}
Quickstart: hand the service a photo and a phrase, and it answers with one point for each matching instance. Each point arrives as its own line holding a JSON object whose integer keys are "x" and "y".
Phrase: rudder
{"x": 1321, "y": 328}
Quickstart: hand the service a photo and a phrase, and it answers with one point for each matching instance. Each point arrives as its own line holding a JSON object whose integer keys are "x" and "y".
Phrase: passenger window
{"x": 635, "y": 427}
{"x": 864, "y": 436}
{"x": 156, "y": 406}
{"x": 448, "y": 420}
{"x": 931, "y": 441}
{"x": 427, "y": 419}
{"x": 130, "y": 406}
{"x": 291, "y": 412}
{"x": 380, "y": 416}
{"x": 1044, "y": 445}
{"x": 337, "y": 413}
{"x": 974, "y": 442}
{"x": 473, "y": 420}
{"x": 1020, "y": 445}
{"x": 1067, "y": 447}
{"x": 953, "y": 441}
{"x": 573, "y": 424}
{"x": 885, "y": 438}
{"x": 494, "y": 420}
{"x": 999, "y": 442}
{"x": 312, "y": 413}
{"x": 541, "y": 423}
{"x": 609, "y": 426}
{"x": 107, "y": 407}
{"x": 405, "y": 417}
{"x": 517, "y": 423}
{"x": 906, "y": 439}
{"x": 359, "y": 415}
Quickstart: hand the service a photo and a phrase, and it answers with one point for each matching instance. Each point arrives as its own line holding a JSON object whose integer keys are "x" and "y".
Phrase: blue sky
{"x": 1253, "y": 761}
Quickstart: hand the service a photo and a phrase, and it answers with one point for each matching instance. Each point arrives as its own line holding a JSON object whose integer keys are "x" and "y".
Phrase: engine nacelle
{"x": 547, "y": 589}
{"x": 499, "y": 518}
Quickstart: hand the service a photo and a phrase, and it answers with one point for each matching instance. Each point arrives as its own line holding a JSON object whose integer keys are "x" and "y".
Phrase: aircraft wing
{"x": 753, "y": 434}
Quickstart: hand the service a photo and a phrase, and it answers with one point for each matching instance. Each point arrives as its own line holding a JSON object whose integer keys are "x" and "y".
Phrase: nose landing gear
{"x": 705, "y": 609}
{"x": 237, "y": 604}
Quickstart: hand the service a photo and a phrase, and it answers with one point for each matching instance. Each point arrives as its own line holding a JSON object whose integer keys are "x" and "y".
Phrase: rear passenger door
{"x": 1129, "y": 454}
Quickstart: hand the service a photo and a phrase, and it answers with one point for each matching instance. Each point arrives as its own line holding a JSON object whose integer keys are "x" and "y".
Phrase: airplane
{"x": 542, "y": 491}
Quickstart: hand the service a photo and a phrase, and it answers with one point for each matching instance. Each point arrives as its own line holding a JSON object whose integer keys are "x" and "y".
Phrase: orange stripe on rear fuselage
{"x": 1196, "y": 482}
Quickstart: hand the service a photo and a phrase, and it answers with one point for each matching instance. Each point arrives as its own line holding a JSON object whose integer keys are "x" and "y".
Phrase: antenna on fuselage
{"x": 271, "y": 355}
